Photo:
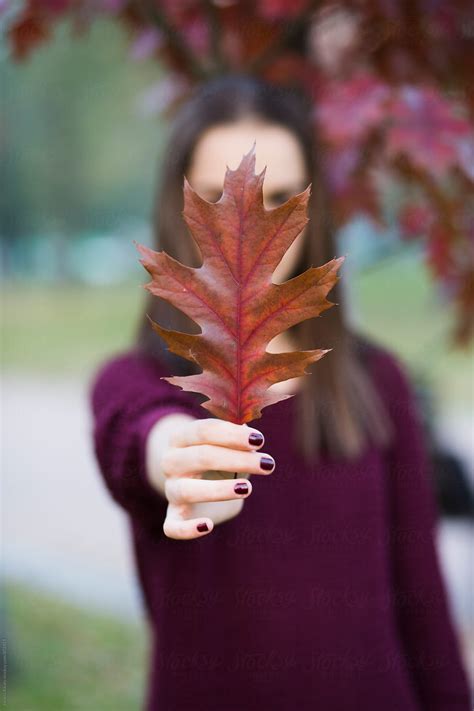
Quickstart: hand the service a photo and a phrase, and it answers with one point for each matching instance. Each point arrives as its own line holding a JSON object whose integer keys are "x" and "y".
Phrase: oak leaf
{"x": 232, "y": 298}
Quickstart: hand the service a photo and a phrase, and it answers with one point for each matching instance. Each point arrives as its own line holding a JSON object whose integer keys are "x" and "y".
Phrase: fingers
{"x": 175, "y": 526}
{"x": 211, "y": 430}
{"x": 208, "y": 445}
{"x": 179, "y": 461}
{"x": 185, "y": 490}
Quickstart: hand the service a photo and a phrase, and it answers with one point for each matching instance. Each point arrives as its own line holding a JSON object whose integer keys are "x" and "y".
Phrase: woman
{"x": 317, "y": 586}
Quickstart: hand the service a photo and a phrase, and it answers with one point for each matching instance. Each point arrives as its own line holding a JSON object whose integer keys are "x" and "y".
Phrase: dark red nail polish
{"x": 267, "y": 463}
{"x": 255, "y": 439}
{"x": 202, "y": 527}
{"x": 241, "y": 488}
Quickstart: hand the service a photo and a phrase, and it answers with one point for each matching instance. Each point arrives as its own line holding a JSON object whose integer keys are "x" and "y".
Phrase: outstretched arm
{"x": 127, "y": 398}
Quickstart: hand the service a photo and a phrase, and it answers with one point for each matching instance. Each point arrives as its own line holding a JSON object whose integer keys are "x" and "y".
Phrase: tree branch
{"x": 174, "y": 38}
{"x": 291, "y": 30}
{"x": 218, "y": 61}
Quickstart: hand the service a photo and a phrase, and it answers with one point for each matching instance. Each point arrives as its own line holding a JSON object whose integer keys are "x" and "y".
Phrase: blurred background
{"x": 82, "y": 133}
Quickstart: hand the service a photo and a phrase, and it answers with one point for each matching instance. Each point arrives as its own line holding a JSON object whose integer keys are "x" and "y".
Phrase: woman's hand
{"x": 192, "y": 461}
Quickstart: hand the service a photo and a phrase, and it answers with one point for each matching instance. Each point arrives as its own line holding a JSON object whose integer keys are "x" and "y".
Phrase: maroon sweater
{"x": 324, "y": 593}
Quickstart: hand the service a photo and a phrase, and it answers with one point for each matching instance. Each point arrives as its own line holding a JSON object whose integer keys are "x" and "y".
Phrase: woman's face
{"x": 277, "y": 148}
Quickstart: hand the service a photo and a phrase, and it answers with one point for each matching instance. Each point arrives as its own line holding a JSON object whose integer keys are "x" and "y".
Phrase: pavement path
{"x": 62, "y": 531}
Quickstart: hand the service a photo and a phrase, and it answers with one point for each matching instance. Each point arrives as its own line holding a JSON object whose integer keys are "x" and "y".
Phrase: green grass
{"x": 66, "y": 329}
{"x": 63, "y": 658}
{"x": 400, "y": 309}
{"x": 69, "y": 329}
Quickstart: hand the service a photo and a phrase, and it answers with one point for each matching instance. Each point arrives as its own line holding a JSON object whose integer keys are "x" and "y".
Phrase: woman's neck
{"x": 284, "y": 343}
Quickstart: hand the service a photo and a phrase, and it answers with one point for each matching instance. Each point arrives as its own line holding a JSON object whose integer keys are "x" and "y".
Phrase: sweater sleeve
{"x": 420, "y": 602}
{"x": 127, "y": 397}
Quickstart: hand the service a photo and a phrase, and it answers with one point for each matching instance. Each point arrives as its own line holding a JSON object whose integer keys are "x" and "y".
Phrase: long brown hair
{"x": 339, "y": 405}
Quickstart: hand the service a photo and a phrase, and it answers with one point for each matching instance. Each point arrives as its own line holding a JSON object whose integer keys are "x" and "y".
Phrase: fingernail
{"x": 202, "y": 527}
{"x": 255, "y": 439}
{"x": 267, "y": 463}
{"x": 241, "y": 488}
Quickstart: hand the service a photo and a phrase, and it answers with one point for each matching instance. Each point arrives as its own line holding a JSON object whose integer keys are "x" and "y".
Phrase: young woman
{"x": 316, "y": 585}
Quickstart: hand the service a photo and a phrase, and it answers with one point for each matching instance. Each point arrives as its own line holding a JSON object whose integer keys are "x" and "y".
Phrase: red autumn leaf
{"x": 426, "y": 128}
{"x": 415, "y": 219}
{"x": 232, "y": 298}
{"x": 27, "y": 34}
{"x": 282, "y": 9}
{"x": 347, "y": 111}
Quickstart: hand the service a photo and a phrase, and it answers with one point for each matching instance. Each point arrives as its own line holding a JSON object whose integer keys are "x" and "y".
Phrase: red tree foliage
{"x": 391, "y": 83}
